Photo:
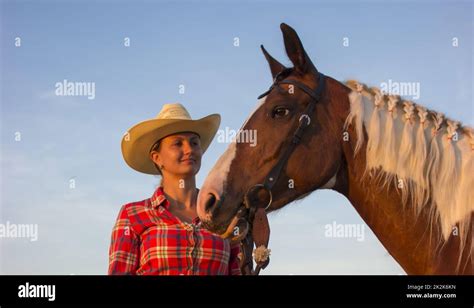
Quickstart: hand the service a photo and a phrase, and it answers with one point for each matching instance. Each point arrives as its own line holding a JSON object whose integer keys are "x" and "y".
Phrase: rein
{"x": 259, "y": 232}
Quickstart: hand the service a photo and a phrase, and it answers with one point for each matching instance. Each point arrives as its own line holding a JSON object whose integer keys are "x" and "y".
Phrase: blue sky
{"x": 191, "y": 43}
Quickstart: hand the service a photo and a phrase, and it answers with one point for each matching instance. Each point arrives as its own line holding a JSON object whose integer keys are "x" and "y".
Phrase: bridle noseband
{"x": 257, "y": 212}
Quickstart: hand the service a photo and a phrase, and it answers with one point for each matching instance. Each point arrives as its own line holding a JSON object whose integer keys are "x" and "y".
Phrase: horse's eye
{"x": 280, "y": 112}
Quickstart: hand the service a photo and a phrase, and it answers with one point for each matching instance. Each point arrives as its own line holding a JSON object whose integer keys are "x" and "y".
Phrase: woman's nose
{"x": 187, "y": 148}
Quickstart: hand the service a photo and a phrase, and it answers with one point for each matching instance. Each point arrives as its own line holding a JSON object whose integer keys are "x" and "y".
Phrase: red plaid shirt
{"x": 148, "y": 240}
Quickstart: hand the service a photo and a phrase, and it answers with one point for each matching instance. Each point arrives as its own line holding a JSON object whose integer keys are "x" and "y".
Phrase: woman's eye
{"x": 280, "y": 112}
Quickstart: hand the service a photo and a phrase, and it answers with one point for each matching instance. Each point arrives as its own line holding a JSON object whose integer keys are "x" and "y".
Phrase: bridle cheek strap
{"x": 260, "y": 234}
{"x": 304, "y": 122}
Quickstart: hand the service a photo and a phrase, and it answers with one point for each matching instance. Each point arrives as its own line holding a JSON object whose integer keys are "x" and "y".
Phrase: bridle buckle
{"x": 260, "y": 186}
{"x": 305, "y": 116}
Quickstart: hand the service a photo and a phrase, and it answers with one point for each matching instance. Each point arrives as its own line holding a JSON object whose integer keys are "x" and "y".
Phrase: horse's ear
{"x": 275, "y": 66}
{"x": 295, "y": 51}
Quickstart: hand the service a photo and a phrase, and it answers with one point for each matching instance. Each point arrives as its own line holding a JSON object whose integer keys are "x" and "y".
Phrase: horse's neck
{"x": 409, "y": 238}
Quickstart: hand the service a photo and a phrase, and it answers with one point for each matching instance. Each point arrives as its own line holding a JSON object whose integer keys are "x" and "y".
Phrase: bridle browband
{"x": 274, "y": 174}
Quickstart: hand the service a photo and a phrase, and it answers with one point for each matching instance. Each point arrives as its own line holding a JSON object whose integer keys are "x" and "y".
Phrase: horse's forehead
{"x": 219, "y": 173}
{"x": 259, "y": 104}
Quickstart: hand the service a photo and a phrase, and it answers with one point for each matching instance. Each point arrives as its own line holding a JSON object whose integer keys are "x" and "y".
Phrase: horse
{"x": 407, "y": 170}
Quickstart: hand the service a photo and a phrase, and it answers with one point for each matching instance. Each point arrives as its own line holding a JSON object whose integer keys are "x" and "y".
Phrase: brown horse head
{"x": 407, "y": 171}
{"x": 312, "y": 164}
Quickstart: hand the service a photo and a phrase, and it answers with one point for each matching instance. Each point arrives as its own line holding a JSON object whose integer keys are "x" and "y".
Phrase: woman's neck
{"x": 181, "y": 193}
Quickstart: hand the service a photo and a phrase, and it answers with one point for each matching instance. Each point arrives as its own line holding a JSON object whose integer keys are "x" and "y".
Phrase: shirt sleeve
{"x": 234, "y": 261}
{"x": 124, "y": 252}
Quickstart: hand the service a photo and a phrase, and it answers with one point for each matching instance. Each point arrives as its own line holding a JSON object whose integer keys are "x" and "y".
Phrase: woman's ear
{"x": 155, "y": 157}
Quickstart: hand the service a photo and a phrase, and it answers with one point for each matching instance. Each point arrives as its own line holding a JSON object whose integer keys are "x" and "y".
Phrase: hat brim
{"x": 139, "y": 139}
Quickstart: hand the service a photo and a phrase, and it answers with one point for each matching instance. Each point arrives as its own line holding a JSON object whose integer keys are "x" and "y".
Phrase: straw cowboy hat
{"x": 172, "y": 119}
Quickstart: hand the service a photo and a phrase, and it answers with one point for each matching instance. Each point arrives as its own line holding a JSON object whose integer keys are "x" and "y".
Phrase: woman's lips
{"x": 188, "y": 161}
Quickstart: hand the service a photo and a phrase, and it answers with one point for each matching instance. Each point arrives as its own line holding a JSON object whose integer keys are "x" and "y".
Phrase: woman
{"x": 162, "y": 235}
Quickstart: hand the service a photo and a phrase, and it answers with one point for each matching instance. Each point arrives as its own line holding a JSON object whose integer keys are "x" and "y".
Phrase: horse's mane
{"x": 428, "y": 156}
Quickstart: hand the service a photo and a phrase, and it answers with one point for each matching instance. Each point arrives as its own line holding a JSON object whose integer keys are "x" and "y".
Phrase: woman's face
{"x": 179, "y": 155}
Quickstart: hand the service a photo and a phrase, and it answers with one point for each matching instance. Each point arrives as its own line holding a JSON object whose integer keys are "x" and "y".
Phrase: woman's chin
{"x": 189, "y": 171}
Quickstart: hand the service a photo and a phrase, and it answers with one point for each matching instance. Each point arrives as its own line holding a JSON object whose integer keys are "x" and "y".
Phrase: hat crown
{"x": 173, "y": 111}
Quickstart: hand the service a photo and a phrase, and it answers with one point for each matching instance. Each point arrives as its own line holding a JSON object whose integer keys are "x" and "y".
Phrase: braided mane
{"x": 429, "y": 157}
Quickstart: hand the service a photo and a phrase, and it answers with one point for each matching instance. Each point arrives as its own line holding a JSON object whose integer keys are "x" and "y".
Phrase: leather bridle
{"x": 259, "y": 232}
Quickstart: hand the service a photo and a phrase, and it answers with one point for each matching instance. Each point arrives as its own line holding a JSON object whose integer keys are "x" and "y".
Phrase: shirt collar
{"x": 159, "y": 198}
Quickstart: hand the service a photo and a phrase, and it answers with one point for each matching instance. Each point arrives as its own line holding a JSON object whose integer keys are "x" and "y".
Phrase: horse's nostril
{"x": 211, "y": 201}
